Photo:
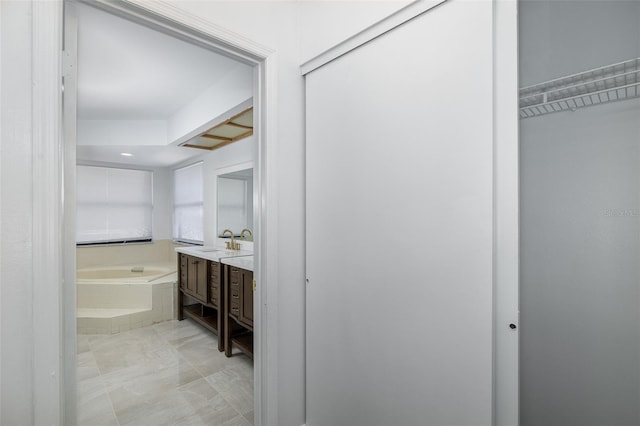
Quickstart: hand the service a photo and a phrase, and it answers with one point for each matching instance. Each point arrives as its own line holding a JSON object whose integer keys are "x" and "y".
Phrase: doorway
{"x": 237, "y": 51}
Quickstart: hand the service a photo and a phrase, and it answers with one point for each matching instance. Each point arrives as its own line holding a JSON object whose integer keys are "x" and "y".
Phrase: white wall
{"x": 162, "y": 204}
{"x": 323, "y": 24}
{"x": 579, "y": 258}
{"x": 233, "y": 89}
{"x": 122, "y": 132}
{"x": 16, "y": 290}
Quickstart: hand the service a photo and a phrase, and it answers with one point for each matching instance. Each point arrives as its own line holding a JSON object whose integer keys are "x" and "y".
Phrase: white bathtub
{"x": 115, "y": 299}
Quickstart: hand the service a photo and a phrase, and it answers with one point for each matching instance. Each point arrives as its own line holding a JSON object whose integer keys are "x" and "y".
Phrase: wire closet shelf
{"x": 610, "y": 83}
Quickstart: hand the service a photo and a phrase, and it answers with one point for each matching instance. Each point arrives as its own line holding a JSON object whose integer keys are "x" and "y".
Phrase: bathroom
{"x": 165, "y": 163}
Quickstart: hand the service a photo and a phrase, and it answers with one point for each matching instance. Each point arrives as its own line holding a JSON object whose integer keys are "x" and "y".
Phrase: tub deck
{"x": 106, "y": 307}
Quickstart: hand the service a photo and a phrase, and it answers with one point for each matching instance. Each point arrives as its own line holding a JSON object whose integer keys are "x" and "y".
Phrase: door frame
{"x": 506, "y": 215}
{"x": 55, "y": 257}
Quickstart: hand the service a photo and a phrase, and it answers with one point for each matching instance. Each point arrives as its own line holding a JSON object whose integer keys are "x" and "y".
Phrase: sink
{"x": 208, "y": 249}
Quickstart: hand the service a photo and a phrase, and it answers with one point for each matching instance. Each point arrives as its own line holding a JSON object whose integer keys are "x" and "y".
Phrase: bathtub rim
{"x": 169, "y": 273}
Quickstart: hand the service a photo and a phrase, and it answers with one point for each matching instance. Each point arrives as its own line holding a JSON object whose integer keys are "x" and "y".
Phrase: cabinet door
{"x": 201, "y": 281}
{"x": 246, "y": 299}
{"x": 192, "y": 275}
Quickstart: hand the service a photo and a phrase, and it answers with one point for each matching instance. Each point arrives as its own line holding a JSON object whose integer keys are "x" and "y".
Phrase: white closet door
{"x": 399, "y": 226}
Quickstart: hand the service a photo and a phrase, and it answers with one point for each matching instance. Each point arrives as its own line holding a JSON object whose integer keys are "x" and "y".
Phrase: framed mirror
{"x": 234, "y": 199}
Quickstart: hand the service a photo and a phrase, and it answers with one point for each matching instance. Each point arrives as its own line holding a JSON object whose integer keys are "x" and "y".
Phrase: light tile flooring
{"x": 165, "y": 374}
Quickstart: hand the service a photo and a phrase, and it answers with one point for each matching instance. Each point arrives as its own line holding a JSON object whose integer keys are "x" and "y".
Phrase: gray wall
{"x": 565, "y": 37}
{"x": 580, "y": 225}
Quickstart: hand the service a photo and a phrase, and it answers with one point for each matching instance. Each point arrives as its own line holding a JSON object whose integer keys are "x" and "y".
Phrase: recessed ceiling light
{"x": 126, "y": 154}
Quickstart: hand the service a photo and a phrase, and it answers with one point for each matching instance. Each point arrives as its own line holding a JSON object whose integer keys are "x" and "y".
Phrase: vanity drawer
{"x": 214, "y": 283}
{"x": 214, "y": 295}
{"x": 215, "y": 270}
{"x": 234, "y": 292}
{"x": 235, "y": 275}
{"x": 234, "y": 308}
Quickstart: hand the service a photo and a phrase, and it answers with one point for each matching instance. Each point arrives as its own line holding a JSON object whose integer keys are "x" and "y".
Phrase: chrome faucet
{"x": 231, "y": 245}
{"x": 248, "y": 231}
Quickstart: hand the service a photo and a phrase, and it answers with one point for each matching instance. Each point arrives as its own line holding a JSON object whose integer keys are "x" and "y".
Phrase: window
{"x": 113, "y": 205}
{"x": 188, "y": 204}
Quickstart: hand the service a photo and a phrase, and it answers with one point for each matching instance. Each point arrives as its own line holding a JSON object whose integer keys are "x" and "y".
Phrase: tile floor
{"x": 165, "y": 374}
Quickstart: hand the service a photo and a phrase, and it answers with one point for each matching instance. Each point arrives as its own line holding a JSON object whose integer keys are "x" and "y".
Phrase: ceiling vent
{"x": 235, "y": 128}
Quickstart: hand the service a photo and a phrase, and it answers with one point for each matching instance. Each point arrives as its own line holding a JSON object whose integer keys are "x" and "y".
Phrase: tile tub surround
{"x": 125, "y": 254}
{"x": 165, "y": 374}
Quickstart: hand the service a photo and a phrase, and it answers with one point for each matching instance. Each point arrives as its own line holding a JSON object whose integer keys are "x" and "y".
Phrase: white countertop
{"x": 213, "y": 253}
{"x": 242, "y": 262}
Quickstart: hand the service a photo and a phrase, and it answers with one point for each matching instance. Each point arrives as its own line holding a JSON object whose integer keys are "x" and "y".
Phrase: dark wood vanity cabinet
{"x": 201, "y": 280}
{"x": 220, "y": 298}
{"x": 239, "y": 302}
